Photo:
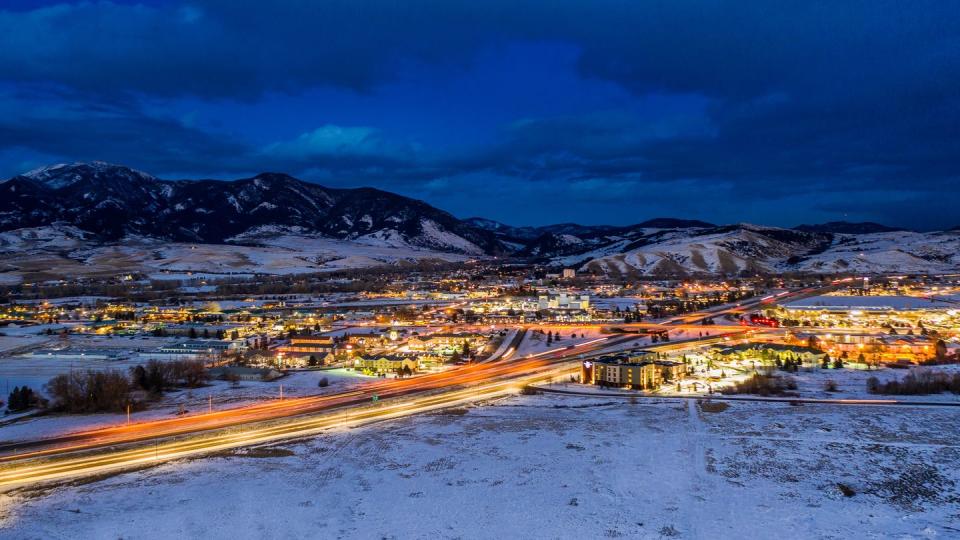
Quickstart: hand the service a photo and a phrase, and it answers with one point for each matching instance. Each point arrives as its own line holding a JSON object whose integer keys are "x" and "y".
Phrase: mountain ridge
{"x": 111, "y": 202}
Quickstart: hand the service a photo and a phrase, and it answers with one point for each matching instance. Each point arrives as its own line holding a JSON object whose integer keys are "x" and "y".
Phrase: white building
{"x": 564, "y": 301}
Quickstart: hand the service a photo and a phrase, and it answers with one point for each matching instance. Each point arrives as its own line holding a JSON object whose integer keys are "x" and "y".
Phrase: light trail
{"x": 153, "y": 442}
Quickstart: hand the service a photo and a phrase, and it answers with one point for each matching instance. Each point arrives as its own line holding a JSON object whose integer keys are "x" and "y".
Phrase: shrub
{"x": 713, "y": 406}
{"x": 764, "y": 385}
{"x": 528, "y": 390}
{"x": 830, "y": 385}
{"x": 324, "y": 382}
{"x": 917, "y": 382}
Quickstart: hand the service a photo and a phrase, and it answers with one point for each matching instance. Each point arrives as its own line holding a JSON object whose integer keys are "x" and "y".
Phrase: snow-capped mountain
{"x": 112, "y": 201}
{"x": 62, "y": 207}
{"x": 750, "y": 249}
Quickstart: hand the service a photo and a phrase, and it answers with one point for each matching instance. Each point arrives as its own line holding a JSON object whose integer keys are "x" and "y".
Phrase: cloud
{"x": 753, "y": 100}
{"x": 118, "y": 132}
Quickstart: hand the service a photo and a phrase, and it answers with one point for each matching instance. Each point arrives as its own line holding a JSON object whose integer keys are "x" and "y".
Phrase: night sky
{"x": 772, "y": 112}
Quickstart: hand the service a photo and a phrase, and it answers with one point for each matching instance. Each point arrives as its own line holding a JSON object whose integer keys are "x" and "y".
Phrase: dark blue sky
{"x": 526, "y": 112}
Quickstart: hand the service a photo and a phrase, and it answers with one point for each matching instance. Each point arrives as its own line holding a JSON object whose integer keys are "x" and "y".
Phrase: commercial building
{"x": 195, "y": 349}
{"x": 387, "y": 363}
{"x": 564, "y": 301}
{"x": 300, "y": 349}
{"x": 639, "y": 370}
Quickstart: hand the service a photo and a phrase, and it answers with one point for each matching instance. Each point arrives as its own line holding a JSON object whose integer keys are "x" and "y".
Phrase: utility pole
{"x": 128, "y": 414}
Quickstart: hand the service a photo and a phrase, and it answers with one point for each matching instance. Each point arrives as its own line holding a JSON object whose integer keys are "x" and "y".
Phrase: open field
{"x": 546, "y": 467}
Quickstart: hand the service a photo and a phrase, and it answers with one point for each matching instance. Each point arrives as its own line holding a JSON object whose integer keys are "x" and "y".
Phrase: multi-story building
{"x": 639, "y": 371}
{"x": 564, "y": 301}
{"x": 387, "y": 363}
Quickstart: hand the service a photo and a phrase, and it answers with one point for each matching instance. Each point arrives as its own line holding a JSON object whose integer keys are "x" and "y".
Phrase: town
{"x": 479, "y": 270}
{"x": 656, "y": 337}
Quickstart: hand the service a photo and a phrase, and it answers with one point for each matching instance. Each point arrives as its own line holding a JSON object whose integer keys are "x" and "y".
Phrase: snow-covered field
{"x": 546, "y": 467}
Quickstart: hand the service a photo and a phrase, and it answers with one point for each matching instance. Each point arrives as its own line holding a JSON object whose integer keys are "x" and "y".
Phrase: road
{"x": 96, "y": 451}
{"x": 149, "y": 443}
{"x": 118, "y": 447}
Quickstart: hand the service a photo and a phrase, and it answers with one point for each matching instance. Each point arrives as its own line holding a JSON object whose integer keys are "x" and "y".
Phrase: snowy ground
{"x": 546, "y": 467}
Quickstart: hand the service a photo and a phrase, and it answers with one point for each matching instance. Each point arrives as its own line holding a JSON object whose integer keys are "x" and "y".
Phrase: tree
{"x": 312, "y": 361}
{"x": 466, "y": 350}
{"x": 455, "y": 357}
{"x": 825, "y": 362}
{"x": 193, "y": 333}
{"x": 20, "y": 399}
{"x": 838, "y": 363}
{"x": 941, "y": 350}
{"x": 90, "y": 391}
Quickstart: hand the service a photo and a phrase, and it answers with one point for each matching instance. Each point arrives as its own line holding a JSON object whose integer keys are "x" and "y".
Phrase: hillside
{"x": 83, "y": 215}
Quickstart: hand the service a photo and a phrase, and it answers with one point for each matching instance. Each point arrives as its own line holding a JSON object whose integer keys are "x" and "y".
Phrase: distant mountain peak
{"x": 63, "y": 175}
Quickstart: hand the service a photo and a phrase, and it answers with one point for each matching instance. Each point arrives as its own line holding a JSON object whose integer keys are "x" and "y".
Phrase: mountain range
{"x": 109, "y": 205}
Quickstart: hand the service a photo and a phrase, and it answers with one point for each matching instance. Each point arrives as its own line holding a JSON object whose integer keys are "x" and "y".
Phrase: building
{"x": 563, "y": 301}
{"x": 569, "y": 273}
{"x": 386, "y": 363}
{"x": 300, "y": 349}
{"x": 195, "y": 349}
{"x": 446, "y": 341}
{"x": 638, "y": 370}
{"x": 876, "y": 348}
{"x": 769, "y": 352}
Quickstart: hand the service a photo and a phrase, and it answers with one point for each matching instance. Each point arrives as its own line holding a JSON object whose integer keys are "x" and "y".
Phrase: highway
{"x": 98, "y": 451}
{"x": 152, "y": 442}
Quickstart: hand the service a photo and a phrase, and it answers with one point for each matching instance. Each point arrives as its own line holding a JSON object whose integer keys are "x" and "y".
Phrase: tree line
{"x": 113, "y": 390}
